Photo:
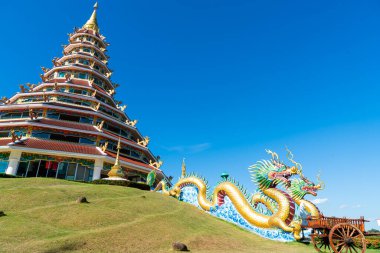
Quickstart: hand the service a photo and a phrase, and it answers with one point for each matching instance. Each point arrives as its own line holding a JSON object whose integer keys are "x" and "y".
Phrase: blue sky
{"x": 218, "y": 82}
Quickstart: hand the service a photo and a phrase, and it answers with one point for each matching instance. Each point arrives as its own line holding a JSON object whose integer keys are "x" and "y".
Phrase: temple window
{"x": 85, "y": 103}
{"x": 83, "y": 75}
{"x": 83, "y": 61}
{"x": 15, "y": 115}
{"x": 109, "y": 112}
{"x": 50, "y": 167}
{"x": 86, "y": 120}
{"x": 4, "y": 159}
{"x": 124, "y": 133}
{"x": 135, "y": 154}
{"x": 86, "y": 141}
{"x": 53, "y": 115}
{"x": 86, "y": 49}
{"x": 125, "y": 151}
{"x": 61, "y": 74}
{"x": 78, "y": 91}
{"x": 66, "y": 100}
{"x": 4, "y": 134}
{"x": 41, "y": 134}
{"x": 61, "y": 137}
{"x": 69, "y": 117}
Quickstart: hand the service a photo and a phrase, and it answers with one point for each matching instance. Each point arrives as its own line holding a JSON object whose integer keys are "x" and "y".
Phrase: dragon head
{"x": 300, "y": 187}
{"x": 271, "y": 173}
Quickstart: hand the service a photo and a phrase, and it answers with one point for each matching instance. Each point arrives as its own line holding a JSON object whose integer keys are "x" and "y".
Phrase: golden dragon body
{"x": 282, "y": 218}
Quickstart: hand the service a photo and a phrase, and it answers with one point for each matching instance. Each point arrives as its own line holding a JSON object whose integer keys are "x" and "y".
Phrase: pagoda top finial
{"x": 92, "y": 23}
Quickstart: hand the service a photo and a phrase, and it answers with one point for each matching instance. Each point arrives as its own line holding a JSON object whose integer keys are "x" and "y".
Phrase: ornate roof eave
{"x": 70, "y": 47}
{"x": 72, "y": 67}
{"x": 78, "y": 34}
{"x": 43, "y": 85}
{"x": 66, "y": 94}
{"x": 70, "y": 56}
{"x": 81, "y": 83}
{"x": 24, "y": 123}
{"x": 41, "y": 105}
{"x": 18, "y": 145}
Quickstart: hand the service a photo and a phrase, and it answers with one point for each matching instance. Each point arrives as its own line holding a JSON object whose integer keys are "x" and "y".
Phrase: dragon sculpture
{"x": 277, "y": 191}
{"x": 273, "y": 173}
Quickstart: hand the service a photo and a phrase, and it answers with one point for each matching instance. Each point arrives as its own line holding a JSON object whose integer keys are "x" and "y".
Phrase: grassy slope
{"x": 42, "y": 216}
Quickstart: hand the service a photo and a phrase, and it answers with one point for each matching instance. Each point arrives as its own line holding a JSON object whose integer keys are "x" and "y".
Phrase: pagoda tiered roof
{"x": 34, "y": 143}
{"x": 78, "y": 86}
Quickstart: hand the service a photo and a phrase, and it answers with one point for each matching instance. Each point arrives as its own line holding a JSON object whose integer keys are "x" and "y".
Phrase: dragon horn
{"x": 320, "y": 182}
{"x": 273, "y": 154}
{"x": 305, "y": 179}
{"x": 290, "y": 156}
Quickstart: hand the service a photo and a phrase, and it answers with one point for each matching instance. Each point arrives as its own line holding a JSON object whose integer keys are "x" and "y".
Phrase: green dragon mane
{"x": 259, "y": 174}
{"x": 296, "y": 190}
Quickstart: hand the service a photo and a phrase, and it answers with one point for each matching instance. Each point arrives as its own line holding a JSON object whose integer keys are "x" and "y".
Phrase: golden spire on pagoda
{"x": 116, "y": 172}
{"x": 92, "y": 23}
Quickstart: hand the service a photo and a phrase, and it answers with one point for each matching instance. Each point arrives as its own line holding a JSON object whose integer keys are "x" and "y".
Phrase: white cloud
{"x": 344, "y": 206}
{"x": 319, "y": 201}
{"x": 191, "y": 149}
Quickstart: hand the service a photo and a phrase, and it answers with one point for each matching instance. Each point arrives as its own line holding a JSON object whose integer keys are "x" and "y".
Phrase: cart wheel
{"x": 320, "y": 239}
{"x": 345, "y": 237}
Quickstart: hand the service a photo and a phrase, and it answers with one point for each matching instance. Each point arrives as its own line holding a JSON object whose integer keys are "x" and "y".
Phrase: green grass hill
{"x": 42, "y": 216}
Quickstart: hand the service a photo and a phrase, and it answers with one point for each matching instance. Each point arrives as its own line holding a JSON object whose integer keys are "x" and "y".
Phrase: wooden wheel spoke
{"x": 353, "y": 232}
{"x": 355, "y": 249}
{"x": 347, "y": 231}
{"x": 339, "y": 244}
{"x": 340, "y": 232}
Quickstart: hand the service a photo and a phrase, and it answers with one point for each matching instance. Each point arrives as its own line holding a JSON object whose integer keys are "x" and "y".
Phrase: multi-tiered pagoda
{"x": 68, "y": 126}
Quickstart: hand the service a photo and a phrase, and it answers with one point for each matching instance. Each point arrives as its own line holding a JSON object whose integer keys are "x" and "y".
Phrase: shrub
{"x": 140, "y": 186}
{"x": 373, "y": 242}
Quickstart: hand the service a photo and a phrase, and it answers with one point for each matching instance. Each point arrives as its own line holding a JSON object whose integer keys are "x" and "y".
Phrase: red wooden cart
{"x": 338, "y": 235}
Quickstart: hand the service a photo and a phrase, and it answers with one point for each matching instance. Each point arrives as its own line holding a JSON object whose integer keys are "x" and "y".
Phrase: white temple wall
{"x": 98, "y": 166}
{"x": 14, "y": 159}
